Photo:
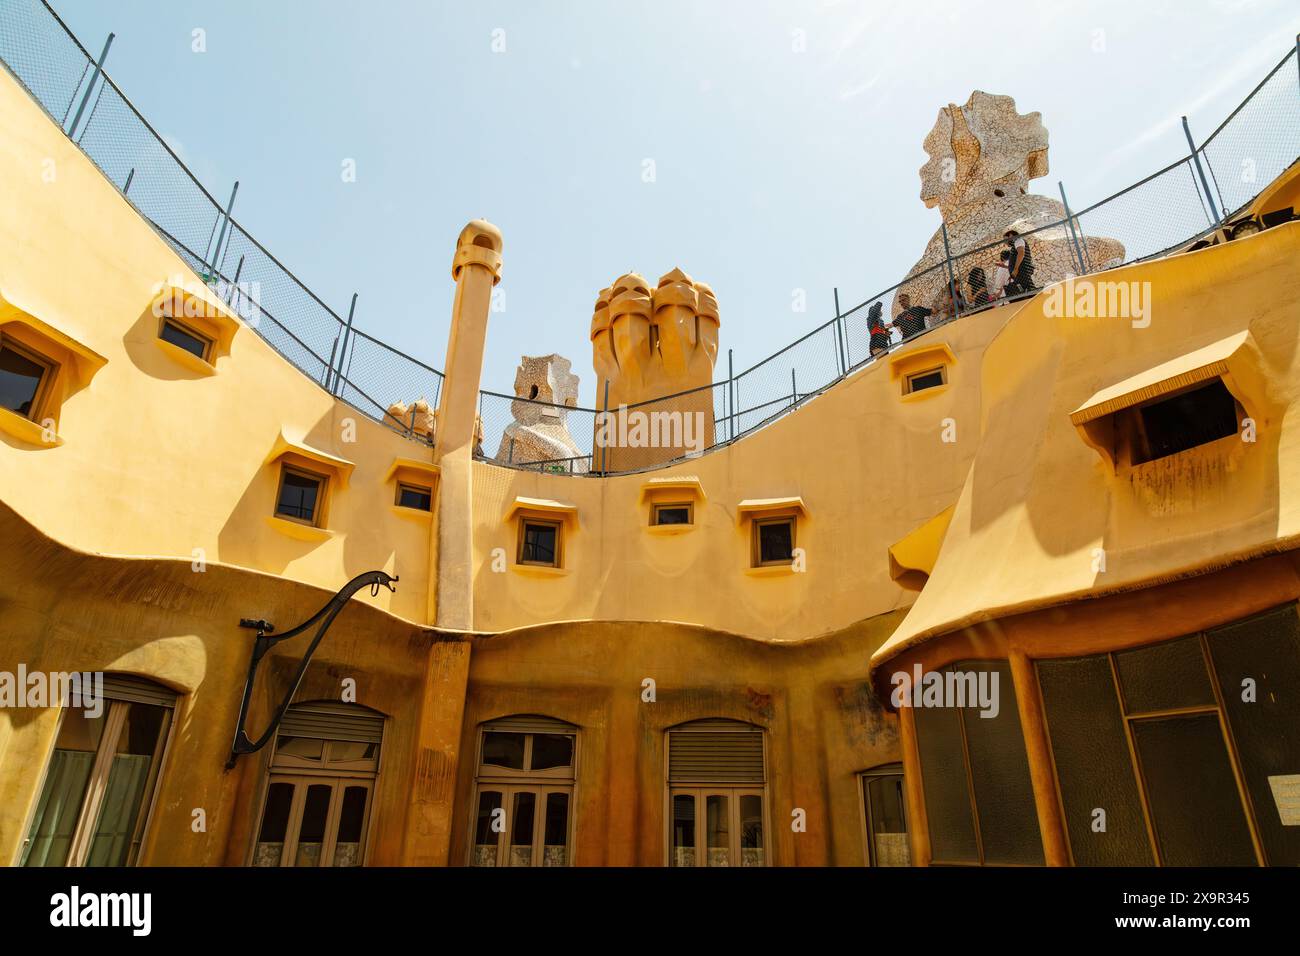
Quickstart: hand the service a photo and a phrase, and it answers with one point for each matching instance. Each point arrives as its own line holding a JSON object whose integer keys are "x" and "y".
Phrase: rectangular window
{"x": 730, "y": 831}
{"x": 413, "y": 496}
{"x": 25, "y": 377}
{"x": 885, "y": 806}
{"x": 773, "y": 541}
{"x": 931, "y": 378}
{"x": 525, "y": 786}
{"x": 665, "y": 514}
{"x": 539, "y": 542}
{"x": 100, "y": 782}
{"x": 301, "y": 495}
{"x": 1176, "y": 423}
{"x": 185, "y": 337}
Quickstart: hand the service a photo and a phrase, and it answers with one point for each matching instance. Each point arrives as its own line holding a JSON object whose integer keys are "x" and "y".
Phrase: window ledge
{"x": 762, "y": 507}
{"x": 296, "y": 529}
{"x": 26, "y": 430}
{"x": 934, "y": 391}
{"x": 669, "y": 529}
{"x": 188, "y": 359}
{"x": 771, "y": 570}
{"x": 412, "y": 514}
{"x": 540, "y": 570}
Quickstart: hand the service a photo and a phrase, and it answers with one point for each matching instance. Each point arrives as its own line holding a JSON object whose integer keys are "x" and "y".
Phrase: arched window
{"x": 102, "y": 777}
{"x": 885, "y": 808}
{"x": 319, "y": 791}
{"x": 716, "y": 781}
{"x": 524, "y": 792}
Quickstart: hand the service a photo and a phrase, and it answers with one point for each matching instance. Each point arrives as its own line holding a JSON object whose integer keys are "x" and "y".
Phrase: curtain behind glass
{"x": 121, "y": 808}
{"x": 56, "y": 813}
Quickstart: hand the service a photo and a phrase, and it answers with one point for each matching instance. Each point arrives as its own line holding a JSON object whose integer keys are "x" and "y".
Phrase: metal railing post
{"x": 794, "y": 389}
{"x": 99, "y": 68}
{"x": 129, "y": 176}
{"x": 841, "y": 331}
{"x": 210, "y": 267}
{"x": 731, "y": 398}
{"x": 234, "y": 285}
{"x": 604, "y": 448}
{"x": 343, "y": 348}
{"x": 1069, "y": 221}
{"x": 947, "y": 256}
{"x": 1205, "y": 184}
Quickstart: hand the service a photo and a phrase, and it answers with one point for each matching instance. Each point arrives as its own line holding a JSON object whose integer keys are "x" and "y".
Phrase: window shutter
{"x": 530, "y": 724}
{"x": 137, "y": 691}
{"x": 716, "y": 751}
{"x": 332, "y": 722}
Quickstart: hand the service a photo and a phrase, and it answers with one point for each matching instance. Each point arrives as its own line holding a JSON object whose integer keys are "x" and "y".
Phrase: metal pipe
{"x": 129, "y": 176}
{"x": 1196, "y": 158}
{"x": 225, "y": 221}
{"x": 1069, "y": 221}
{"x": 99, "y": 68}
{"x": 947, "y": 255}
{"x": 343, "y": 349}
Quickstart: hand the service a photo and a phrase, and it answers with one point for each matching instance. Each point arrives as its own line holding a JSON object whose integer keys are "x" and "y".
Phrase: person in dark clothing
{"x": 1021, "y": 266}
{"x": 911, "y": 320}
{"x": 878, "y": 330}
{"x": 979, "y": 292}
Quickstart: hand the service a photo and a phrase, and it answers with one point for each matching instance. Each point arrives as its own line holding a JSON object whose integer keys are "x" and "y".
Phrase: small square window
{"x": 668, "y": 514}
{"x": 414, "y": 496}
{"x": 301, "y": 496}
{"x": 184, "y": 337}
{"x": 24, "y": 379}
{"x": 539, "y": 542}
{"x": 930, "y": 378}
{"x": 773, "y": 541}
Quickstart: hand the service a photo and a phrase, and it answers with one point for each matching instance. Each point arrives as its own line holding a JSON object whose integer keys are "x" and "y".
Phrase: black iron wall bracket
{"x": 325, "y": 616}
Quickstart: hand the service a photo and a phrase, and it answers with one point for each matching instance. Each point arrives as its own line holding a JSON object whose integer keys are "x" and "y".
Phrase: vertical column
{"x": 476, "y": 269}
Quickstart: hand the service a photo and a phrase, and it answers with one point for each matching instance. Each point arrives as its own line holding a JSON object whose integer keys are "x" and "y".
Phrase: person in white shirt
{"x": 1001, "y": 276}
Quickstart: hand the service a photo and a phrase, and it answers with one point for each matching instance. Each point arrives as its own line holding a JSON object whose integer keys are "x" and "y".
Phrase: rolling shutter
{"x": 530, "y": 724}
{"x": 715, "y": 751}
{"x": 329, "y": 721}
{"x": 138, "y": 691}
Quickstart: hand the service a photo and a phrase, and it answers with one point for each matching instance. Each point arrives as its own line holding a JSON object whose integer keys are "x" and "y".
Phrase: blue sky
{"x": 786, "y": 137}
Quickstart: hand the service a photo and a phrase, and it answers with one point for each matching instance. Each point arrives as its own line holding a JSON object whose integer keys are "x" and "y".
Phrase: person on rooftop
{"x": 1022, "y": 263}
{"x": 1001, "y": 276}
{"x": 978, "y": 283}
{"x": 879, "y": 332}
{"x": 911, "y": 320}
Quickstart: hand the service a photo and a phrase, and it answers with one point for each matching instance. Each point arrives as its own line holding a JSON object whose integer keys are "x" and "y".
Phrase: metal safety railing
{"x": 1168, "y": 210}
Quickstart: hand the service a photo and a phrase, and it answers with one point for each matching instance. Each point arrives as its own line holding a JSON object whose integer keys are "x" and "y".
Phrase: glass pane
{"x": 683, "y": 830}
{"x": 503, "y": 750}
{"x": 488, "y": 828}
{"x": 298, "y": 496}
{"x": 888, "y": 822}
{"x": 1195, "y": 808}
{"x": 943, "y": 780}
{"x": 556, "y": 847}
{"x": 20, "y": 378}
{"x": 1164, "y": 676}
{"x": 124, "y": 794}
{"x": 306, "y": 748}
{"x": 59, "y": 806}
{"x": 521, "y": 829}
{"x": 1090, "y": 749}
{"x": 1004, "y": 796}
{"x": 552, "y": 750}
{"x": 417, "y": 498}
{"x": 672, "y": 516}
{"x": 717, "y": 829}
{"x": 352, "y": 817}
{"x": 182, "y": 339}
{"x": 351, "y": 751}
{"x": 1258, "y": 667}
{"x": 751, "y": 830}
{"x": 275, "y": 823}
{"x": 311, "y": 833}
{"x": 776, "y": 541}
{"x": 539, "y": 543}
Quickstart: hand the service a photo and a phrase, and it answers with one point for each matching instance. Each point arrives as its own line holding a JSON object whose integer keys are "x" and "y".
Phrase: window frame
{"x": 1132, "y": 445}
{"x": 881, "y": 771}
{"x": 509, "y": 782}
{"x": 733, "y": 793}
{"x": 412, "y": 486}
{"x": 83, "y": 832}
{"x": 756, "y": 548}
{"x": 209, "y": 343}
{"x": 557, "y": 524}
{"x": 909, "y": 380}
{"x": 44, "y": 387}
{"x": 318, "y": 512}
{"x": 658, "y": 506}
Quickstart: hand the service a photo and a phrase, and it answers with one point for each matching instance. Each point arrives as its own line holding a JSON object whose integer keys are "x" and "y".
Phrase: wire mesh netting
{"x": 1164, "y": 212}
